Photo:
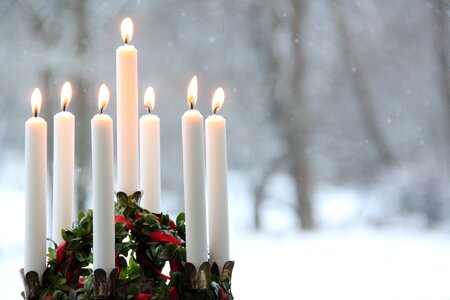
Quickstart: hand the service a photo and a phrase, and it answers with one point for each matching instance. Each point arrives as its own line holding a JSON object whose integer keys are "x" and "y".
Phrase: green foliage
{"x": 144, "y": 243}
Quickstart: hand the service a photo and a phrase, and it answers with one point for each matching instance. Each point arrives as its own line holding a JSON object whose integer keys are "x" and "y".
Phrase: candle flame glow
{"x": 103, "y": 97}
{"x": 36, "y": 101}
{"x": 126, "y": 27}
{"x": 192, "y": 92}
{"x": 149, "y": 99}
{"x": 66, "y": 95}
{"x": 217, "y": 101}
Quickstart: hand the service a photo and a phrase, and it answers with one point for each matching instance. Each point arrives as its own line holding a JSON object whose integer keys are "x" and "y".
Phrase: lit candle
{"x": 194, "y": 180}
{"x": 127, "y": 112}
{"x": 216, "y": 178}
{"x": 35, "y": 188}
{"x": 103, "y": 185}
{"x": 63, "y": 165}
{"x": 150, "y": 155}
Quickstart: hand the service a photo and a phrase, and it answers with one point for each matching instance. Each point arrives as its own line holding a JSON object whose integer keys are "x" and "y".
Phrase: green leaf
{"x": 51, "y": 254}
{"x": 81, "y": 215}
{"x": 180, "y": 219}
{"x": 165, "y": 220}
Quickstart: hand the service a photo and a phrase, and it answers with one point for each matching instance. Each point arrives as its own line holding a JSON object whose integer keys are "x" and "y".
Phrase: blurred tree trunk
{"x": 442, "y": 32}
{"x": 287, "y": 105}
{"x": 83, "y": 133}
{"x": 295, "y": 125}
{"x": 259, "y": 194}
{"x": 361, "y": 90}
{"x": 262, "y": 43}
{"x": 273, "y": 71}
{"x": 433, "y": 203}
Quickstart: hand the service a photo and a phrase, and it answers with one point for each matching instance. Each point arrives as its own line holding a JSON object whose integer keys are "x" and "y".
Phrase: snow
{"x": 343, "y": 260}
{"x": 357, "y": 264}
{"x": 337, "y": 206}
{"x": 11, "y": 247}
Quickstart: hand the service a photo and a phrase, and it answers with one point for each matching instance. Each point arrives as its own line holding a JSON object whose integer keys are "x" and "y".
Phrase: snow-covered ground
{"x": 356, "y": 264}
{"x": 344, "y": 260}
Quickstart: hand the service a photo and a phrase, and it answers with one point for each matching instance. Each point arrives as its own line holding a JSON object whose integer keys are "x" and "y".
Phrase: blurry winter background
{"x": 338, "y": 129}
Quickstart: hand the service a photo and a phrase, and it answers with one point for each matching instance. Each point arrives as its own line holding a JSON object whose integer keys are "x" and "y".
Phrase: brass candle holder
{"x": 154, "y": 239}
{"x": 32, "y": 284}
{"x": 103, "y": 285}
{"x": 201, "y": 280}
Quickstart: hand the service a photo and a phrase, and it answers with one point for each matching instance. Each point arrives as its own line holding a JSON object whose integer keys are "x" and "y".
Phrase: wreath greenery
{"x": 144, "y": 243}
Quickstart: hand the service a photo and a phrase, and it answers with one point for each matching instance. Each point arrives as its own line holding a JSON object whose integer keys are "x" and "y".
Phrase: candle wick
{"x": 64, "y": 107}
{"x": 192, "y": 105}
{"x": 149, "y": 109}
{"x": 101, "y": 110}
{"x": 35, "y": 113}
{"x": 215, "y": 110}
{"x": 126, "y": 40}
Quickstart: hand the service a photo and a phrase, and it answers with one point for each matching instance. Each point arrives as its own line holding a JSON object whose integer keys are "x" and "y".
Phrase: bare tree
{"x": 296, "y": 129}
{"x": 442, "y": 45}
{"x": 359, "y": 82}
{"x": 292, "y": 115}
{"x": 262, "y": 41}
{"x": 81, "y": 85}
{"x": 284, "y": 78}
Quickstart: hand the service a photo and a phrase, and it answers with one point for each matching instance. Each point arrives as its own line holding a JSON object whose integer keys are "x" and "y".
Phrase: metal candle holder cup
{"x": 31, "y": 284}
{"x": 201, "y": 280}
{"x": 104, "y": 286}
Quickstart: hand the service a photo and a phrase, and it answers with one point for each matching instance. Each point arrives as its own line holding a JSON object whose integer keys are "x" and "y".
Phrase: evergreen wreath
{"x": 144, "y": 242}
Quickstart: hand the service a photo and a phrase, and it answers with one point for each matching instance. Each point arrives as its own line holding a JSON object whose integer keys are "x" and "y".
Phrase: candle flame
{"x": 126, "y": 27}
{"x": 103, "y": 97}
{"x": 36, "y": 101}
{"x": 192, "y": 92}
{"x": 149, "y": 99}
{"x": 66, "y": 95}
{"x": 217, "y": 101}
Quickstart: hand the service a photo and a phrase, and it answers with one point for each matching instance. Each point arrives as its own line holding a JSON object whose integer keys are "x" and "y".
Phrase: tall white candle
{"x": 127, "y": 112}
{"x": 35, "y": 188}
{"x": 150, "y": 155}
{"x": 216, "y": 178}
{"x": 63, "y": 166}
{"x": 103, "y": 186}
{"x": 194, "y": 180}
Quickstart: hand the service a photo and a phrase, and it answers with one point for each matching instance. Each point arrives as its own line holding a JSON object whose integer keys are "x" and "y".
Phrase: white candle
{"x": 150, "y": 168}
{"x": 194, "y": 181}
{"x": 35, "y": 188}
{"x": 127, "y": 112}
{"x": 216, "y": 178}
{"x": 103, "y": 186}
{"x": 63, "y": 166}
